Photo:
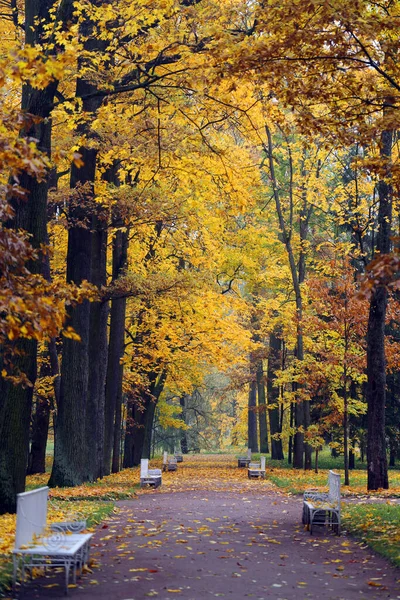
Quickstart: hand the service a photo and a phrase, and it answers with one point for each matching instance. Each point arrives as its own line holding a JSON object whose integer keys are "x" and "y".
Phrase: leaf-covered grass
{"x": 295, "y": 481}
{"x": 117, "y": 486}
{"x": 376, "y": 524}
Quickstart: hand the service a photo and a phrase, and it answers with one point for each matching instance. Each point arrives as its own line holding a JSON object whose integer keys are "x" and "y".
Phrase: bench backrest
{"x": 144, "y": 468}
{"x": 255, "y": 465}
{"x": 262, "y": 463}
{"x": 334, "y": 487}
{"x": 31, "y": 515}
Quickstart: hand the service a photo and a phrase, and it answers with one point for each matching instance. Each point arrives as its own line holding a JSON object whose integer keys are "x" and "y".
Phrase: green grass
{"x": 376, "y": 524}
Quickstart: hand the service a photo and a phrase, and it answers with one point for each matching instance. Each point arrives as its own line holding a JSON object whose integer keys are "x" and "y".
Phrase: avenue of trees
{"x": 199, "y": 232}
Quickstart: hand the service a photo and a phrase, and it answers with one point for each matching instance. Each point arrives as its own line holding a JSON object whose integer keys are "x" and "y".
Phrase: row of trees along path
{"x": 210, "y": 532}
{"x": 186, "y": 179}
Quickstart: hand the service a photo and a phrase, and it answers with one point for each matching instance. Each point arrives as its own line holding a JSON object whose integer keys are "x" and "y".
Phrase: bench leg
{"x": 15, "y": 572}
{"x": 67, "y": 566}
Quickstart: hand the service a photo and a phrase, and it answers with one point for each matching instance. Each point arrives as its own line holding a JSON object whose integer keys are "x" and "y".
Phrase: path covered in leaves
{"x": 210, "y": 533}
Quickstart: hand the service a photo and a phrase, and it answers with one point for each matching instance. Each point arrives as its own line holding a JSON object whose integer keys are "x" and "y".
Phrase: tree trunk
{"x": 139, "y": 428}
{"x": 274, "y": 364}
{"x": 113, "y": 393}
{"x": 41, "y": 418}
{"x": 346, "y": 432}
{"x": 262, "y": 408}
{"x": 40, "y": 430}
{"x": 148, "y": 428}
{"x": 290, "y": 445}
{"x": 129, "y": 440}
{"x": 252, "y": 418}
{"x": 74, "y": 418}
{"x": 184, "y": 437}
{"x": 376, "y": 362}
{"x": 95, "y": 410}
{"x": 116, "y": 455}
{"x": 155, "y": 389}
{"x": 392, "y": 455}
{"x": 30, "y": 215}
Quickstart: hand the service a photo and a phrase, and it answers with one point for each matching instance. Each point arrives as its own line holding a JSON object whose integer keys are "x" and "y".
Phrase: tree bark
{"x": 376, "y": 362}
{"x": 252, "y": 441}
{"x": 184, "y": 437}
{"x": 113, "y": 392}
{"x": 156, "y": 388}
{"x": 262, "y": 408}
{"x": 116, "y": 454}
{"x": 40, "y": 429}
{"x": 274, "y": 363}
{"x": 74, "y": 419}
{"x": 30, "y": 215}
{"x": 98, "y": 347}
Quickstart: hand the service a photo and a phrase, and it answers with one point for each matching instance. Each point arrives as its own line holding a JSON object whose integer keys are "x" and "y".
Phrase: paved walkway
{"x": 229, "y": 544}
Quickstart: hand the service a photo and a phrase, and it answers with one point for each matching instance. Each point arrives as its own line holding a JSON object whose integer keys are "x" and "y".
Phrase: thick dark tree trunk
{"x": 262, "y": 408}
{"x": 40, "y": 430}
{"x": 30, "y": 215}
{"x": 376, "y": 362}
{"x": 75, "y": 420}
{"x": 15, "y": 411}
{"x": 274, "y": 364}
{"x": 70, "y": 451}
{"x": 352, "y": 460}
{"x": 376, "y": 392}
{"x": 113, "y": 393}
{"x": 252, "y": 441}
{"x": 95, "y": 410}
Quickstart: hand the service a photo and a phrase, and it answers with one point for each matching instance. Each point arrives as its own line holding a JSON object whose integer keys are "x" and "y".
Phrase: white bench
{"x": 38, "y": 544}
{"x": 244, "y": 461}
{"x": 321, "y": 508}
{"x": 178, "y": 456}
{"x": 169, "y": 464}
{"x": 150, "y": 477}
{"x": 257, "y": 469}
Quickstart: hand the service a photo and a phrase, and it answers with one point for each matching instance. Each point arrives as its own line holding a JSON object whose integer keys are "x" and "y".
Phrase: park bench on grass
{"x": 179, "y": 456}
{"x": 149, "y": 477}
{"x": 244, "y": 461}
{"x": 169, "y": 464}
{"x": 321, "y": 508}
{"x": 256, "y": 469}
{"x": 39, "y": 544}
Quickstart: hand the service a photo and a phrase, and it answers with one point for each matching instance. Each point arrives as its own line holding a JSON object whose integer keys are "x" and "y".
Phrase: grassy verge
{"x": 377, "y": 525}
{"x": 295, "y": 481}
{"x": 117, "y": 486}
